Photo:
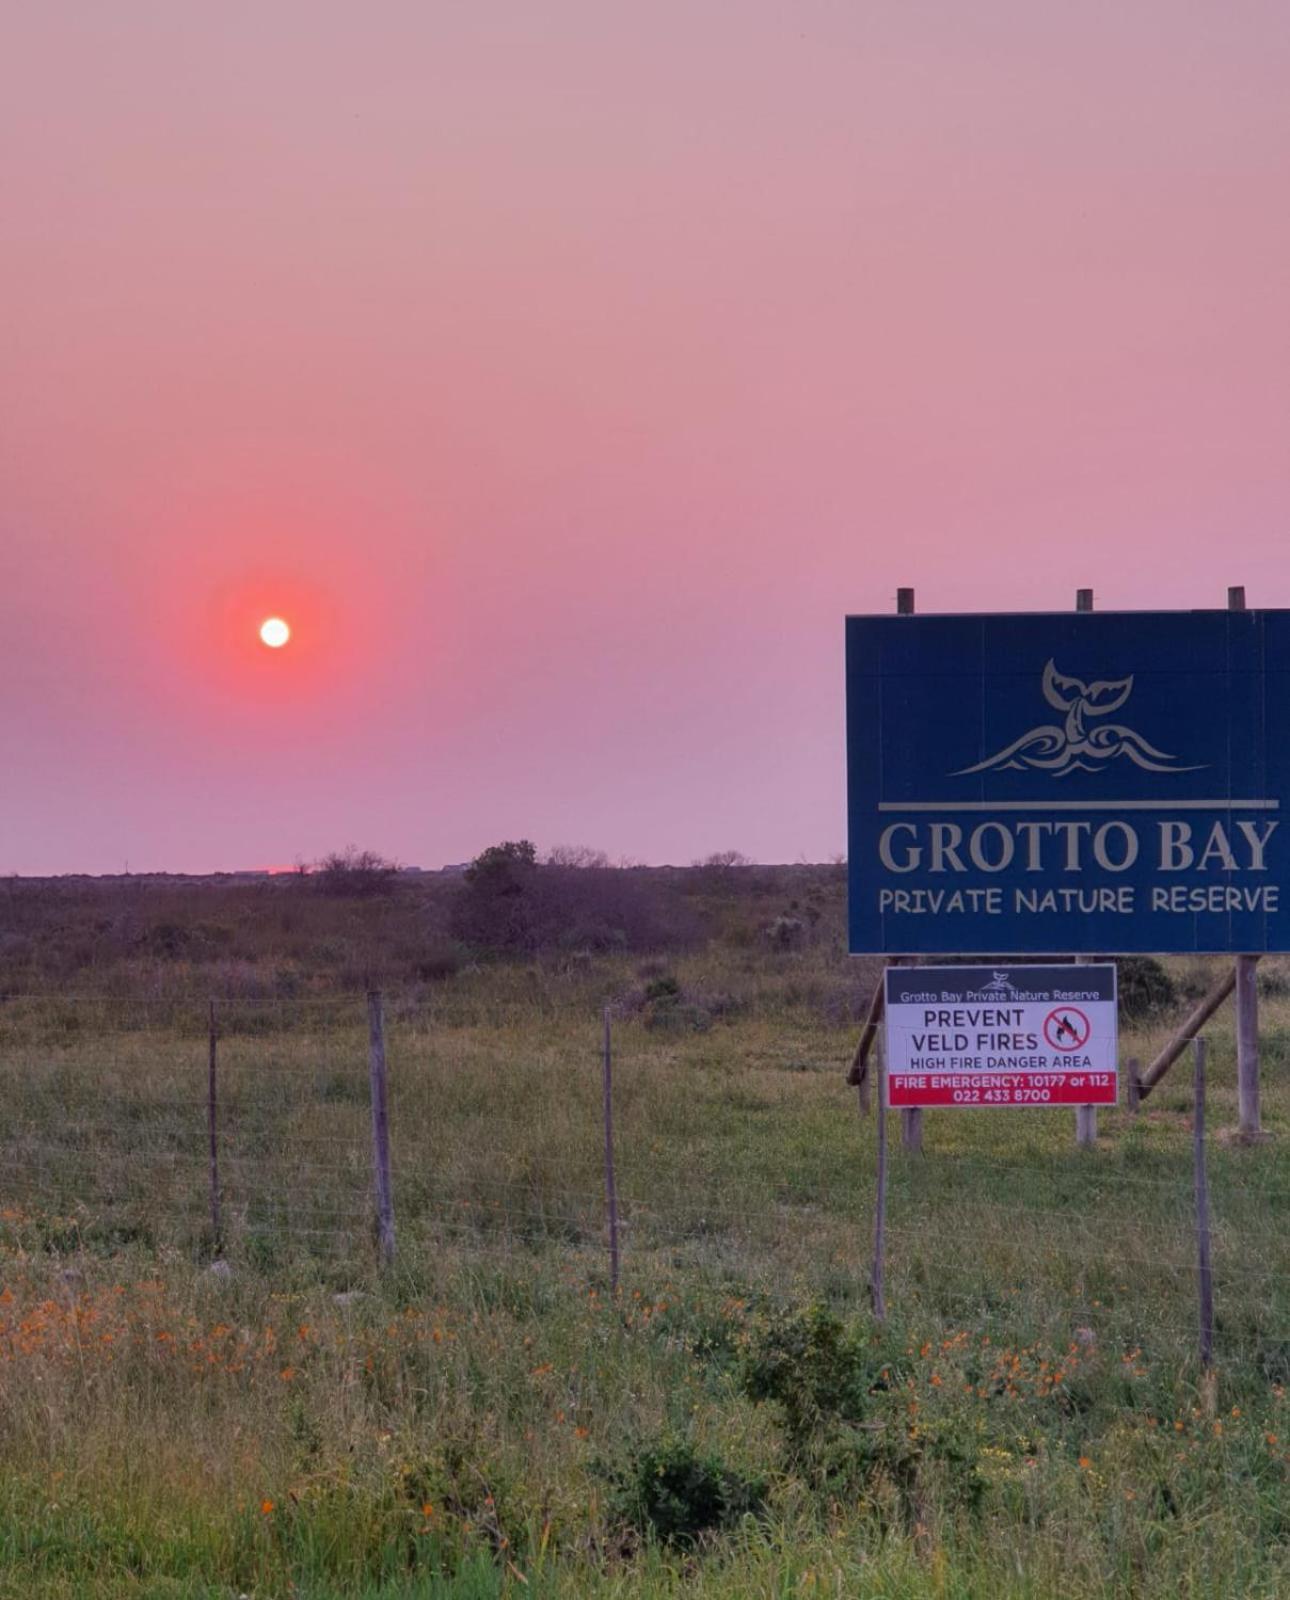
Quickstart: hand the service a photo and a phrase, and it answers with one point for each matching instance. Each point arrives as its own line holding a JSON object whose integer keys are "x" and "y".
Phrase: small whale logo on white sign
{"x": 1075, "y": 746}
{"x": 1000, "y": 987}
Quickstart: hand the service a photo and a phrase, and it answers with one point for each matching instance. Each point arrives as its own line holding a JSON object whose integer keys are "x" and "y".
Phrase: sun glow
{"x": 274, "y": 632}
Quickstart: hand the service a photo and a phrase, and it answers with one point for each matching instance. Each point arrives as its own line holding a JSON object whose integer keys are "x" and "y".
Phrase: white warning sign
{"x": 1001, "y": 1035}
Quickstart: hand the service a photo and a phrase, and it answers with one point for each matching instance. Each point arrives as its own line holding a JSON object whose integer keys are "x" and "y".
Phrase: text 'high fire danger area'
{"x": 1001, "y": 1036}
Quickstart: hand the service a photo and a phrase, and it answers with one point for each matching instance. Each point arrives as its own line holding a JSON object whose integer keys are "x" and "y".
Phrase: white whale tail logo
{"x": 1075, "y": 746}
{"x": 1000, "y": 987}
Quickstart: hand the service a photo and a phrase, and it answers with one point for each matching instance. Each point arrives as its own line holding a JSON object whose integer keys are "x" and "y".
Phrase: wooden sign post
{"x": 911, "y": 1119}
{"x": 1247, "y": 1004}
{"x": 1085, "y": 1116}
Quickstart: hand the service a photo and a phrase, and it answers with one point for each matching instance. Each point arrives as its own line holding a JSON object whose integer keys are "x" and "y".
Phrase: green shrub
{"x": 815, "y": 1370}
{"x": 673, "y": 1492}
{"x": 665, "y": 987}
{"x": 844, "y": 1425}
{"x": 1146, "y": 989}
{"x": 440, "y": 960}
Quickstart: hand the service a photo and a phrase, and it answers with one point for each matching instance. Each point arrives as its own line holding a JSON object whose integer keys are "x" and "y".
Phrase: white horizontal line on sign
{"x": 1080, "y": 805}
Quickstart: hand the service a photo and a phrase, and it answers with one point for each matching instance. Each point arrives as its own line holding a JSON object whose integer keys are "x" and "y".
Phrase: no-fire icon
{"x": 1067, "y": 1028}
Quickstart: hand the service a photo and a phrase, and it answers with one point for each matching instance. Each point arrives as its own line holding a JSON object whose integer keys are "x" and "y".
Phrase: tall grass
{"x": 1032, "y": 1422}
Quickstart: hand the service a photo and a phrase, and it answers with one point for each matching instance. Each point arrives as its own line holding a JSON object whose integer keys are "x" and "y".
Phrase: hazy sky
{"x": 565, "y": 371}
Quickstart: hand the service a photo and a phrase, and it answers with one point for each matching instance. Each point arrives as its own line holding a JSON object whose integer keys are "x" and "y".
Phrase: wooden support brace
{"x": 858, "y": 1073}
{"x": 1183, "y": 1037}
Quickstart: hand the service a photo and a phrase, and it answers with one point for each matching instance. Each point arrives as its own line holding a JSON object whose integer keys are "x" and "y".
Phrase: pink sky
{"x": 566, "y": 372}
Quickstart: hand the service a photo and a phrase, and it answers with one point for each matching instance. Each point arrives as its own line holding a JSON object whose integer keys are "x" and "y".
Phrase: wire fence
{"x": 733, "y": 1165}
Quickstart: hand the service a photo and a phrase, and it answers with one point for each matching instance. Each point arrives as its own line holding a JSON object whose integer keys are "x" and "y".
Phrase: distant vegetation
{"x": 355, "y": 917}
{"x": 354, "y": 873}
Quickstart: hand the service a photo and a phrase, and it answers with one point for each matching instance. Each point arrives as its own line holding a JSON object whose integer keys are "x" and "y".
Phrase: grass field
{"x": 488, "y": 1419}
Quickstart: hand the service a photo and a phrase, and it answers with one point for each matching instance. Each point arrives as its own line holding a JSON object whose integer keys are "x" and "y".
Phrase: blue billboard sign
{"x": 1073, "y": 782}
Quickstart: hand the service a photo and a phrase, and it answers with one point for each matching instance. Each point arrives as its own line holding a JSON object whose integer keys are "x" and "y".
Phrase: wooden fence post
{"x": 911, "y": 1118}
{"x": 1247, "y": 1047}
{"x": 380, "y": 1128}
{"x": 212, "y": 1133}
{"x": 1085, "y": 1116}
{"x": 1204, "y": 1270}
{"x": 877, "y": 1289}
{"x": 611, "y": 1190}
{"x": 1247, "y": 1004}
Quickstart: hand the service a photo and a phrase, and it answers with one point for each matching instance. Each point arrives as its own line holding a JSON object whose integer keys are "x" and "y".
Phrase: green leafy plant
{"x": 819, "y": 1373}
{"x": 674, "y": 1492}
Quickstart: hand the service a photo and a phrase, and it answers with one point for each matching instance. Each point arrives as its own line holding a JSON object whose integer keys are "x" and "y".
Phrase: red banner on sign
{"x": 1002, "y": 1089}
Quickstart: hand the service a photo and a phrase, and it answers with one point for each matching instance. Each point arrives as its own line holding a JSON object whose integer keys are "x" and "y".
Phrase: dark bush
{"x": 512, "y": 904}
{"x": 173, "y": 941}
{"x": 665, "y": 987}
{"x": 722, "y": 872}
{"x": 495, "y": 910}
{"x": 835, "y": 1392}
{"x": 1146, "y": 989}
{"x": 817, "y": 1371}
{"x": 169, "y": 940}
{"x": 673, "y": 1492}
{"x": 786, "y": 933}
{"x": 353, "y": 873}
{"x": 440, "y": 960}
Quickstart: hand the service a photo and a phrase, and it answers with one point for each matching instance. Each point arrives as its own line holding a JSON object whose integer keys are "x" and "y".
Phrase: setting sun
{"x": 274, "y": 632}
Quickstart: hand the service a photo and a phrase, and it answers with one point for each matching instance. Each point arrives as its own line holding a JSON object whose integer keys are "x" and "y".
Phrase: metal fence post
{"x": 877, "y": 1285}
{"x": 380, "y": 1128}
{"x": 1204, "y": 1269}
{"x": 611, "y": 1189}
{"x": 212, "y": 1132}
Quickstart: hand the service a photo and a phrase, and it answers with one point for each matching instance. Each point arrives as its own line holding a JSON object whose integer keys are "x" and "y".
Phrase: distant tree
{"x": 353, "y": 872}
{"x": 503, "y": 863}
{"x": 580, "y": 856}
{"x": 511, "y": 903}
{"x": 724, "y": 860}
{"x": 496, "y": 910}
{"x": 722, "y": 871}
